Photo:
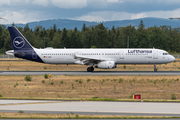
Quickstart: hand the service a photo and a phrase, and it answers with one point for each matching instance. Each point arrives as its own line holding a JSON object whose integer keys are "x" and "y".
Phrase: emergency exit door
{"x": 121, "y": 55}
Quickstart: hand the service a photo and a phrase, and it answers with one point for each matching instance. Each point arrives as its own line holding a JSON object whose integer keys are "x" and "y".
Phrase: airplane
{"x": 95, "y": 58}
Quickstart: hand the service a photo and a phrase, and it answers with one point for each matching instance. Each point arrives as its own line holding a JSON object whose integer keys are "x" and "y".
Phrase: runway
{"x": 90, "y": 73}
{"x": 91, "y": 107}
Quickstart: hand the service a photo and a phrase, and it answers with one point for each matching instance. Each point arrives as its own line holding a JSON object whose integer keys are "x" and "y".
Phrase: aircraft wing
{"x": 84, "y": 60}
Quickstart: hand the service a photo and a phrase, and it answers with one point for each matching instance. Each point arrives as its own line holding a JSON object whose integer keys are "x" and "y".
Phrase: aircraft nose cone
{"x": 172, "y": 58}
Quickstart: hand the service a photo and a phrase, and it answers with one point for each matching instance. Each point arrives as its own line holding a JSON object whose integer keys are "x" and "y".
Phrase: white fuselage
{"x": 98, "y": 58}
{"x": 120, "y": 56}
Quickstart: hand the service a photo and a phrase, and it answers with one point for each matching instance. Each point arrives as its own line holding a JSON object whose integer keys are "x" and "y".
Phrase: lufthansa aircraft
{"x": 98, "y": 58}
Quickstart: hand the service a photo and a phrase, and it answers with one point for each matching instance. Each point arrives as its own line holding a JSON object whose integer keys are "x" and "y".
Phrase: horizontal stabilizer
{"x": 11, "y": 52}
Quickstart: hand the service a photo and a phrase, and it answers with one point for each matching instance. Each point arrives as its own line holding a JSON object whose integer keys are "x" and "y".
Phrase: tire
{"x": 90, "y": 69}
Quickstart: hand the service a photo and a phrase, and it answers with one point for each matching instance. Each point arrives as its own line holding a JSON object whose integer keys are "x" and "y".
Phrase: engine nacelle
{"x": 106, "y": 65}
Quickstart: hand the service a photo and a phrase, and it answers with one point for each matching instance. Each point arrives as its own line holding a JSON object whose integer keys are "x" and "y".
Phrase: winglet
{"x": 19, "y": 42}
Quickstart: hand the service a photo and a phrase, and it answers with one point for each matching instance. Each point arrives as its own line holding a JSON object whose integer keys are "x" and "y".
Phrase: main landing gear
{"x": 155, "y": 69}
{"x": 90, "y": 69}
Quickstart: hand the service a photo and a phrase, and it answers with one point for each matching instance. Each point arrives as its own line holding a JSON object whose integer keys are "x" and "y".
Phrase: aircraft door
{"x": 34, "y": 55}
{"x": 121, "y": 55}
{"x": 155, "y": 54}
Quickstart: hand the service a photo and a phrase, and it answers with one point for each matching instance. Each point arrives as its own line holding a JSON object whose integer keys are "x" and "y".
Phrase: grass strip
{"x": 94, "y": 88}
{"x": 22, "y": 115}
{"x": 91, "y": 99}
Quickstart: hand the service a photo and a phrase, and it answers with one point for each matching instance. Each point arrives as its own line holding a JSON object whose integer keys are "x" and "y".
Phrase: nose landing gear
{"x": 155, "y": 69}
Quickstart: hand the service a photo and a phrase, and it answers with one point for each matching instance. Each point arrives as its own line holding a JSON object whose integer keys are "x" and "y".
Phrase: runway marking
{"x": 31, "y": 103}
{"x": 84, "y": 105}
{"x": 118, "y": 106}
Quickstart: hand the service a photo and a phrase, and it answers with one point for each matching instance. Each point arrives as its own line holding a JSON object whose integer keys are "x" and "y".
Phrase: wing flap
{"x": 84, "y": 60}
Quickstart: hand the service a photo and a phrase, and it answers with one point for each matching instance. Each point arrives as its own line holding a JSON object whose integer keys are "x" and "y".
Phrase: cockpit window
{"x": 165, "y": 53}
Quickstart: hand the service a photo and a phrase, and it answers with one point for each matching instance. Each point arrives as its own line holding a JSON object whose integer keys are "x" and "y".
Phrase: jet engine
{"x": 106, "y": 65}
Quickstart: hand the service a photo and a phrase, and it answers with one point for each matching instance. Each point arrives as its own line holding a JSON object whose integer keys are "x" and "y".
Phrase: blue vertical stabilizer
{"x": 22, "y": 48}
{"x": 19, "y": 42}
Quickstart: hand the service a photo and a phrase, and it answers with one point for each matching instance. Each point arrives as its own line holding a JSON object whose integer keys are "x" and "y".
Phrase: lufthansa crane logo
{"x": 18, "y": 42}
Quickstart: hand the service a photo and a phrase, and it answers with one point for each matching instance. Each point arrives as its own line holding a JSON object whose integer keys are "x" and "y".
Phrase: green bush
{"x": 154, "y": 82}
{"x": 120, "y": 80}
{"x": 16, "y": 84}
{"x": 102, "y": 81}
{"x": 46, "y": 76}
{"x": 88, "y": 80}
{"x": 52, "y": 83}
{"x": 20, "y": 111}
{"x": 0, "y": 95}
{"x": 131, "y": 96}
{"x": 77, "y": 116}
{"x": 95, "y": 97}
{"x": 72, "y": 86}
{"x": 45, "y": 67}
{"x": 61, "y": 82}
{"x": 124, "y": 66}
{"x": 28, "y": 78}
{"x": 80, "y": 81}
{"x": 43, "y": 81}
{"x": 173, "y": 96}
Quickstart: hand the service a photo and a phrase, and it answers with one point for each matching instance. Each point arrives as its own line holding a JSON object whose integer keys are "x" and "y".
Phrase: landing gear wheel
{"x": 155, "y": 69}
{"x": 90, "y": 69}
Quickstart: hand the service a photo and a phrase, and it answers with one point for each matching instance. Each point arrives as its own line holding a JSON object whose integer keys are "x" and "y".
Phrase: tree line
{"x": 163, "y": 37}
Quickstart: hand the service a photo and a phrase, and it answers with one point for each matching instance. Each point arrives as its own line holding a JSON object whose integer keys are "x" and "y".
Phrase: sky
{"x": 24, "y": 11}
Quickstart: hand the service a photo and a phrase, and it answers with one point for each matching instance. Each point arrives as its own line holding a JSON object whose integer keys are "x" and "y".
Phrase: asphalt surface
{"x": 90, "y": 73}
{"x": 92, "y": 108}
